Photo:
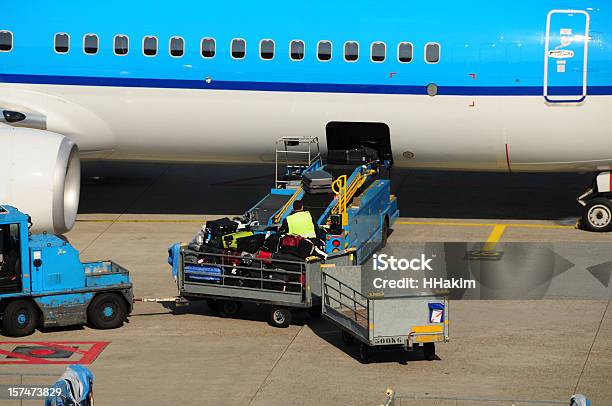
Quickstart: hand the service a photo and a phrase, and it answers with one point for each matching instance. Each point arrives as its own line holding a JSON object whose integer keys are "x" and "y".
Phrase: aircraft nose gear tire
{"x": 598, "y": 215}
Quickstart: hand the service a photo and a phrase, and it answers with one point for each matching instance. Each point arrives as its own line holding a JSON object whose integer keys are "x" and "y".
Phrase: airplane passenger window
{"x": 378, "y": 52}
{"x": 351, "y": 51}
{"x": 404, "y": 52}
{"x": 297, "y": 50}
{"x": 266, "y": 49}
{"x": 324, "y": 51}
{"x": 238, "y": 48}
{"x": 149, "y": 46}
{"x": 90, "y": 44}
{"x": 62, "y": 43}
{"x": 121, "y": 44}
{"x": 432, "y": 52}
{"x": 6, "y": 41}
{"x": 208, "y": 47}
{"x": 177, "y": 46}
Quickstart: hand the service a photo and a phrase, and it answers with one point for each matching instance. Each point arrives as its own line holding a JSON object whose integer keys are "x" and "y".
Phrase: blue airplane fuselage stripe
{"x": 293, "y": 87}
{"x": 487, "y": 48}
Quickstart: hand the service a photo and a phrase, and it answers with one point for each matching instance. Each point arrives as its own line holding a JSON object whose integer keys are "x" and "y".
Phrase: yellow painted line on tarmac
{"x": 137, "y": 221}
{"x": 460, "y": 224}
{"x": 494, "y": 237}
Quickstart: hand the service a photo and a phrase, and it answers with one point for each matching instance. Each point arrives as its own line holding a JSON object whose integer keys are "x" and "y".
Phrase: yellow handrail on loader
{"x": 346, "y": 194}
{"x": 287, "y": 205}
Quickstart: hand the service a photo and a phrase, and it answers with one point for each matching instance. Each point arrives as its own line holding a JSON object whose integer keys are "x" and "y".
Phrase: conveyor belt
{"x": 268, "y": 206}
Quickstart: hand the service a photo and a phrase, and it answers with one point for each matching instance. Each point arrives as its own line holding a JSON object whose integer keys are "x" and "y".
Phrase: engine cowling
{"x": 40, "y": 174}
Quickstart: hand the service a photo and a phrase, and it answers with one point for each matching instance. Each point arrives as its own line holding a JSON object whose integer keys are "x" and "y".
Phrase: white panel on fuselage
{"x": 443, "y": 132}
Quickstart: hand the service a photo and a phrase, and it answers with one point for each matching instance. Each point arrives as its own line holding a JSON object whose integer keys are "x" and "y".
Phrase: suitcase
{"x": 206, "y": 273}
{"x": 272, "y": 243}
{"x": 279, "y": 256}
{"x": 231, "y": 240}
{"x": 354, "y": 156}
{"x": 250, "y": 244}
{"x": 317, "y": 191}
{"x": 317, "y": 179}
{"x": 216, "y": 229}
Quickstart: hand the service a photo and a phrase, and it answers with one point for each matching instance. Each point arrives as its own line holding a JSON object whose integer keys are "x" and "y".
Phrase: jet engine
{"x": 40, "y": 174}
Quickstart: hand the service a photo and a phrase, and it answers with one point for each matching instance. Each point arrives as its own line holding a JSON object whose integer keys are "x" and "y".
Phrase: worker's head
{"x": 298, "y": 205}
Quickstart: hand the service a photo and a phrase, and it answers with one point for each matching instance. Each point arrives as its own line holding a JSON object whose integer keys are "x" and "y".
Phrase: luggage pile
{"x": 230, "y": 253}
{"x": 317, "y": 182}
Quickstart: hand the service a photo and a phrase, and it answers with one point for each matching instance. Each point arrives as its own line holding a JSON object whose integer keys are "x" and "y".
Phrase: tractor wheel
{"x": 106, "y": 311}
{"x": 20, "y": 318}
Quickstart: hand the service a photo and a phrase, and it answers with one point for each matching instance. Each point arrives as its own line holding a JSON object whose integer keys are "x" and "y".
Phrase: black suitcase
{"x": 216, "y": 229}
{"x": 351, "y": 156}
{"x": 221, "y": 226}
{"x": 278, "y": 257}
{"x": 250, "y": 244}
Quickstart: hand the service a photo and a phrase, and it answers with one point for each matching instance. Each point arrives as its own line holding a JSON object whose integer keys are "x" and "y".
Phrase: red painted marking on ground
{"x": 42, "y": 352}
{"x": 87, "y": 356}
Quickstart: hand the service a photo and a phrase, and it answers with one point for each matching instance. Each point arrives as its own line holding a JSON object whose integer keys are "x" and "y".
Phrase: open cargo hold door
{"x": 346, "y": 141}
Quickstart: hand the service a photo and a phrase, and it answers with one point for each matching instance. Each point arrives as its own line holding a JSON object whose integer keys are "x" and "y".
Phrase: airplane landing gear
{"x": 597, "y": 204}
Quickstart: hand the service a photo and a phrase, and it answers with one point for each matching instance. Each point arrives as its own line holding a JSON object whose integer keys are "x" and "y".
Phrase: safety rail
{"x": 287, "y": 206}
{"x": 295, "y": 159}
{"x": 260, "y": 275}
{"x": 356, "y": 315}
{"x": 345, "y": 194}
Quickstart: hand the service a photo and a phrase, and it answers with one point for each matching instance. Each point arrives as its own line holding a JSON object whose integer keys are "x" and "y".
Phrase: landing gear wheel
{"x": 597, "y": 215}
{"x": 429, "y": 351}
{"x": 213, "y": 305}
{"x": 347, "y": 338}
{"x": 229, "y": 308}
{"x": 364, "y": 353}
{"x": 385, "y": 233}
{"x": 20, "y": 318}
{"x": 280, "y": 317}
{"x": 106, "y": 311}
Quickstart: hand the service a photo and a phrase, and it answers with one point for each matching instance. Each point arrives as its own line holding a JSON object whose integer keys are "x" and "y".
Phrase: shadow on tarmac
{"x": 161, "y": 188}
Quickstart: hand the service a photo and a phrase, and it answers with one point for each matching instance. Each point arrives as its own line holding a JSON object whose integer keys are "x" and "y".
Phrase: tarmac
{"x": 541, "y": 350}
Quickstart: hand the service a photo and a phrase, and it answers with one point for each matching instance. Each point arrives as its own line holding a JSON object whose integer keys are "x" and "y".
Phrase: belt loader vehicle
{"x": 355, "y": 215}
{"x": 44, "y": 284}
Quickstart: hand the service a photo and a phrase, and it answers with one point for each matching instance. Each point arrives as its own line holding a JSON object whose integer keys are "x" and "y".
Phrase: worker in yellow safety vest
{"x": 300, "y": 222}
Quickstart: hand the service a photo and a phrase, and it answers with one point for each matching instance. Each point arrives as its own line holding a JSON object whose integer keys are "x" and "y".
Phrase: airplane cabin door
{"x": 566, "y": 58}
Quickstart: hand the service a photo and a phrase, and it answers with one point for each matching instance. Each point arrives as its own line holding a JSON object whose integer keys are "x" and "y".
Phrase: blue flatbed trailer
{"x": 43, "y": 283}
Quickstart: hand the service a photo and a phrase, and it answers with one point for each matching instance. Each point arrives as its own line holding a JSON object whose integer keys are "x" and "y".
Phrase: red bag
{"x": 264, "y": 256}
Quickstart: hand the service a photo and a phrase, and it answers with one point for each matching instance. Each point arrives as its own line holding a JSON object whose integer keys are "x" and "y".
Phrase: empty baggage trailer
{"x": 379, "y": 322}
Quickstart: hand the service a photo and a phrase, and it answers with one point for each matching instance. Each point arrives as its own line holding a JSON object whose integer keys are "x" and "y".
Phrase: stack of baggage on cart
{"x": 229, "y": 252}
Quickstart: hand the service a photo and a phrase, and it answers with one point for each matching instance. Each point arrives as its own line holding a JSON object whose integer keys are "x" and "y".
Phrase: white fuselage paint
{"x": 443, "y": 132}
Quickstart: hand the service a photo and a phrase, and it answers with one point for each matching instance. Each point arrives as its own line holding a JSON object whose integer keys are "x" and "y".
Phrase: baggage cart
{"x": 379, "y": 322}
{"x": 227, "y": 281}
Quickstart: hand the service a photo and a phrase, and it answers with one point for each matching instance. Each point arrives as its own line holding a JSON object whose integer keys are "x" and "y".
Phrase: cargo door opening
{"x": 351, "y": 143}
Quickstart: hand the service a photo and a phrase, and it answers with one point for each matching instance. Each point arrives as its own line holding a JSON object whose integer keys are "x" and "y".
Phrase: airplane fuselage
{"x": 486, "y": 86}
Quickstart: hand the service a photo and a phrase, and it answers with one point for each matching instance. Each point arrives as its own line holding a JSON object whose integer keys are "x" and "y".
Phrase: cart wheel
{"x": 429, "y": 351}
{"x": 280, "y": 317}
{"x": 385, "y": 233}
{"x": 597, "y": 215}
{"x": 212, "y": 305}
{"x": 364, "y": 353}
{"x": 229, "y": 308}
{"x": 347, "y": 338}
{"x": 20, "y": 318}
{"x": 106, "y": 310}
